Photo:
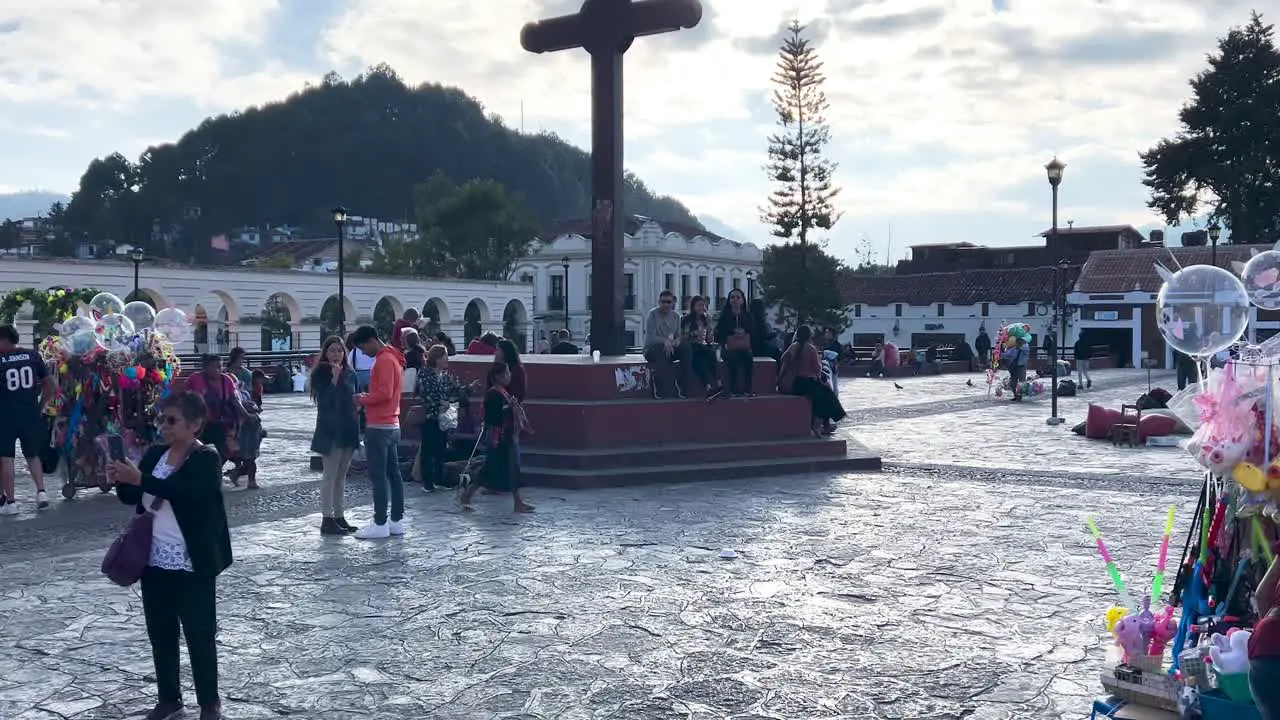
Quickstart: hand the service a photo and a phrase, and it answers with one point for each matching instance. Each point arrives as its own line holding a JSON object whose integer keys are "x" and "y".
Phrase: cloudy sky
{"x": 943, "y": 112}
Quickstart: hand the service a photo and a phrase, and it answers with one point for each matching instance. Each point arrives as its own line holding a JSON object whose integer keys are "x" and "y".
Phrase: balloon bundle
{"x": 112, "y": 362}
{"x": 1008, "y": 336}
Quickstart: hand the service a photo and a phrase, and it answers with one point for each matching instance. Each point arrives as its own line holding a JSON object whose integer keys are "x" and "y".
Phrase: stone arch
{"x": 515, "y": 323}
{"x": 280, "y": 313}
{"x": 150, "y": 296}
{"x": 330, "y": 322}
{"x": 385, "y": 313}
{"x": 436, "y": 311}
{"x": 222, "y": 314}
{"x": 473, "y": 319}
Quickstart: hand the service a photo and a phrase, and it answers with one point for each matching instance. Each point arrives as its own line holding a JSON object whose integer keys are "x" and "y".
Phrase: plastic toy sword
{"x": 1157, "y": 585}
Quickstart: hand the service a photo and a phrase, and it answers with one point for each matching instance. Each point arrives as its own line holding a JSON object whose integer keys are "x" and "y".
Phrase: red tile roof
{"x": 1119, "y": 271}
{"x": 961, "y": 287}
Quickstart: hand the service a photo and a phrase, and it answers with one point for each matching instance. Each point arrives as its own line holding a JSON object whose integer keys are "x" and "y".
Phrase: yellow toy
{"x": 1114, "y": 615}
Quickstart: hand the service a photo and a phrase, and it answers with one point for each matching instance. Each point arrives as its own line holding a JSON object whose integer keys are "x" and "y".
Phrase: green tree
{"x": 279, "y": 262}
{"x": 10, "y": 234}
{"x": 476, "y": 230}
{"x": 1226, "y": 157}
{"x": 803, "y": 283}
{"x": 801, "y": 201}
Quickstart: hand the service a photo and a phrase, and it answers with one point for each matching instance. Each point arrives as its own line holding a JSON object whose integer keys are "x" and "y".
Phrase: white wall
{"x": 965, "y": 319}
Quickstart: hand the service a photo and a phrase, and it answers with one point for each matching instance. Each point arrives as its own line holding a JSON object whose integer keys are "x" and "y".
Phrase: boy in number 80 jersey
{"x": 25, "y": 385}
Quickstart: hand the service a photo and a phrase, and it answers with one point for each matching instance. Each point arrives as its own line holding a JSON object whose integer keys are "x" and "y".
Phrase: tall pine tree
{"x": 802, "y": 199}
{"x": 1227, "y": 155}
{"x": 799, "y": 279}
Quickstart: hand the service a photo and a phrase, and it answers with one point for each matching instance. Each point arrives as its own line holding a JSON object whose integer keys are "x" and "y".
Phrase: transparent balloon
{"x": 173, "y": 324}
{"x": 1261, "y": 278}
{"x": 79, "y": 343}
{"x": 76, "y": 324}
{"x": 105, "y": 304}
{"x": 114, "y": 332}
{"x": 141, "y": 314}
{"x": 1202, "y": 310}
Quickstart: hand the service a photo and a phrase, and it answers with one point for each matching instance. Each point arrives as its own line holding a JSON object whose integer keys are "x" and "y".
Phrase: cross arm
{"x": 601, "y": 17}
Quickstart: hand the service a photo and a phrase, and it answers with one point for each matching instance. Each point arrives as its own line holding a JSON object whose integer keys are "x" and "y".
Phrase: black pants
{"x": 700, "y": 361}
{"x": 431, "y": 451}
{"x": 662, "y": 365}
{"x": 173, "y": 598}
{"x": 1264, "y": 683}
{"x": 1017, "y": 375}
{"x": 1186, "y": 374}
{"x": 737, "y": 366}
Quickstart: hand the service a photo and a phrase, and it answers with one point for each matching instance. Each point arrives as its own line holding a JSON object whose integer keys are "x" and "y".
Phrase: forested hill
{"x": 364, "y": 143}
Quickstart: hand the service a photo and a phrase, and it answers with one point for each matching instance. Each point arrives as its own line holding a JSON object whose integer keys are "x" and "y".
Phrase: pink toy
{"x": 1146, "y": 621}
{"x": 1129, "y": 637}
{"x": 1162, "y": 632}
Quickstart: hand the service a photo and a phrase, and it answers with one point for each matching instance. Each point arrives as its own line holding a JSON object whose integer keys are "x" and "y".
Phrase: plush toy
{"x": 1219, "y": 455}
{"x": 1113, "y": 616}
{"x": 1230, "y": 653}
{"x": 1129, "y": 637}
{"x": 1162, "y": 632}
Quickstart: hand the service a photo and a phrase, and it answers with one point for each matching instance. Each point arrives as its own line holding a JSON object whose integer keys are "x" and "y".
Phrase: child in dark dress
{"x": 503, "y": 420}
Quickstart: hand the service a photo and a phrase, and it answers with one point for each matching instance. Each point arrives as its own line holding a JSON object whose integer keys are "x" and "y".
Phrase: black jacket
{"x": 337, "y": 426}
{"x": 194, "y": 491}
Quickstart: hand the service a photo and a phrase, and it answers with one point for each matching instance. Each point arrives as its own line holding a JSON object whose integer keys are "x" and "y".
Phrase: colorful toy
{"x": 1157, "y": 583}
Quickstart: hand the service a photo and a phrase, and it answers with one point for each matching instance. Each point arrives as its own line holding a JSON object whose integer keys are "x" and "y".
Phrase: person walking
{"x": 503, "y": 420}
{"x": 25, "y": 387}
{"x": 382, "y": 434}
{"x": 1082, "y": 351}
{"x": 982, "y": 344}
{"x": 337, "y": 431}
{"x": 222, "y": 404}
{"x": 437, "y": 389}
{"x": 179, "y": 481}
{"x": 360, "y": 362}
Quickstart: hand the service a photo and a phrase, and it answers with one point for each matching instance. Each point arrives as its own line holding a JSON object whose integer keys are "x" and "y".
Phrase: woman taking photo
{"x": 503, "y": 420}
{"x": 337, "y": 433}
{"x": 436, "y": 389}
{"x": 800, "y": 373}
{"x": 697, "y": 353}
{"x": 179, "y": 481}
{"x": 733, "y": 332}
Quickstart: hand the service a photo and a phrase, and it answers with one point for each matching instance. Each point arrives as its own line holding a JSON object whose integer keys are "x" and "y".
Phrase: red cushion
{"x": 1098, "y": 423}
{"x": 1155, "y": 426}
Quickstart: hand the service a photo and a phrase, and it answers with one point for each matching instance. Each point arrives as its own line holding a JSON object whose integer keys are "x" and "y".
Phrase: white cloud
{"x": 966, "y": 102}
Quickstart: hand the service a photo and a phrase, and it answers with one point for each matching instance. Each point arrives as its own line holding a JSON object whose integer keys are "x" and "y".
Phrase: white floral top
{"x": 168, "y": 548}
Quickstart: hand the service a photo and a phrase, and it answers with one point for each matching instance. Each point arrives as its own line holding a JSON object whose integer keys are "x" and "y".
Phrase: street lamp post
{"x": 1215, "y": 232}
{"x": 136, "y": 256}
{"x": 340, "y": 221}
{"x": 751, "y": 284}
{"x": 564, "y": 263}
{"x": 1054, "y": 172}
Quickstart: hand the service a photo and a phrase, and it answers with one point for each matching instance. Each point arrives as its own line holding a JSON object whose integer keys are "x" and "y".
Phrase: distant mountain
{"x": 28, "y": 203}
{"x": 723, "y": 229}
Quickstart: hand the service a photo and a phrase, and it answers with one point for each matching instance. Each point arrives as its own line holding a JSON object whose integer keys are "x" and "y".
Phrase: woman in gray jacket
{"x": 337, "y": 433}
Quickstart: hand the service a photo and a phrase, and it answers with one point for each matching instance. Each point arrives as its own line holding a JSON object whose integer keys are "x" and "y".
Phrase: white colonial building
{"x": 658, "y": 256}
{"x": 261, "y": 309}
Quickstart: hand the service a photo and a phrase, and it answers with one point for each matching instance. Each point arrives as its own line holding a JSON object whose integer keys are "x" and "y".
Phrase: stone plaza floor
{"x": 957, "y": 583}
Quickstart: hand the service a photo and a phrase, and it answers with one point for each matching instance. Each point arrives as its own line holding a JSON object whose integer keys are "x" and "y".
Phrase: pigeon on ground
{"x": 969, "y": 382}
{"x": 897, "y": 386}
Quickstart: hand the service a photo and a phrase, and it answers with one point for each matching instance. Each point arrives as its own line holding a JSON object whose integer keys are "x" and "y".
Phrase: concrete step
{"x": 660, "y": 454}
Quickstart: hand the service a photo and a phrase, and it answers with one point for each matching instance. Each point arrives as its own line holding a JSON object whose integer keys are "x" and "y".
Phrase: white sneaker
{"x": 9, "y": 508}
{"x": 42, "y": 500}
{"x": 373, "y": 531}
{"x": 395, "y": 527}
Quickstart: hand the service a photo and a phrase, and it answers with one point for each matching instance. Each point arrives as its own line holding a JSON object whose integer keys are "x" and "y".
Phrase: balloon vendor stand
{"x": 1187, "y": 651}
{"x": 997, "y": 386}
{"x": 111, "y": 363}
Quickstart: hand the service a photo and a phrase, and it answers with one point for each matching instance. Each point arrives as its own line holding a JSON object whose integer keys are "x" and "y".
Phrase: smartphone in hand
{"x": 115, "y": 448}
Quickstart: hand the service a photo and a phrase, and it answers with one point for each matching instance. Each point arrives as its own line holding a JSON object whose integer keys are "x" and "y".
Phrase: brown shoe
{"x": 165, "y": 711}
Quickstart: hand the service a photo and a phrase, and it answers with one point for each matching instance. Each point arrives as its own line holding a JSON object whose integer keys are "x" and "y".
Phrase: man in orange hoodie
{"x": 382, "y": 434}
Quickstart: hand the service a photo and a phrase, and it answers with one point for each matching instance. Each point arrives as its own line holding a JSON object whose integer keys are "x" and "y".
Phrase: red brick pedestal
{"x": 597, "y": 424}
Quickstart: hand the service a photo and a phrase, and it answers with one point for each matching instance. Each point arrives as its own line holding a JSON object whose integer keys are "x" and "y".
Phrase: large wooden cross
{"x": 605, "y": 29}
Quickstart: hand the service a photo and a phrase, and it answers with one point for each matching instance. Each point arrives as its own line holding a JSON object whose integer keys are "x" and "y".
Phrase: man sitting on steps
{"x": 661, "y": 335}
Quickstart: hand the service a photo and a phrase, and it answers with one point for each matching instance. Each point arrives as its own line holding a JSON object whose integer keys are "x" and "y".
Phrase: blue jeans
{"x": 382, "y": 451}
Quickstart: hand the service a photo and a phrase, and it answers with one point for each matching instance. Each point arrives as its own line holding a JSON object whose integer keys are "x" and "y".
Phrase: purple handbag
{"x": 130, "y": 553}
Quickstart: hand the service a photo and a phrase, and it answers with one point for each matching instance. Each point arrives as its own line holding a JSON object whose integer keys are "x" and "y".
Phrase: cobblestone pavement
{"x": 957, "y": 583}
{"x": 865, "y": 596}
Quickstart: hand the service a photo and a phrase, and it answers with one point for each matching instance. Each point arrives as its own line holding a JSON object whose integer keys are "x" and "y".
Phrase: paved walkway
{"x": 879, "y": 596}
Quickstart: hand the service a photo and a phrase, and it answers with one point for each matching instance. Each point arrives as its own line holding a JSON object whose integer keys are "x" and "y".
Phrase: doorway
{"x": 1116, "y": 342}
